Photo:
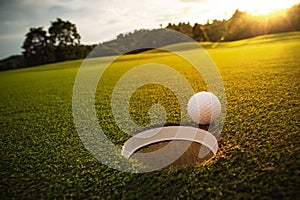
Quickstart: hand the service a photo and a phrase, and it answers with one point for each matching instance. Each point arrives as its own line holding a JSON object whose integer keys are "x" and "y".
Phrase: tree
{"x": 63, "y": 33}
{"x": 38, "y": 49}
{"x": 35, "y": 40}
{"x": 216, "y": 30}
{"x": 198, "y": 33}
{"x": 239, "y": 26}
{"x": 294, "y": 17}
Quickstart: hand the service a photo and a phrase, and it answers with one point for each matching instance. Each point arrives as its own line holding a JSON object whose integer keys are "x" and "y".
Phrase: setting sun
{"x": 258, "y": 7}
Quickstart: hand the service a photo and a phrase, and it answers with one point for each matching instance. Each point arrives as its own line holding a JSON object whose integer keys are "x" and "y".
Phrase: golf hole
{"x": 189, "y": 158}
{"x": 175, "y": 147}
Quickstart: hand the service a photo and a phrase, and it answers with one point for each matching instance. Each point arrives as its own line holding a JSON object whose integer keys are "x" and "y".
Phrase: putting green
{"x": 43, "y": 157}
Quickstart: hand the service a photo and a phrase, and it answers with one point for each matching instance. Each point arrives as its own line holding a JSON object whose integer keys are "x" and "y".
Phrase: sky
{"x": 102, "y": 20}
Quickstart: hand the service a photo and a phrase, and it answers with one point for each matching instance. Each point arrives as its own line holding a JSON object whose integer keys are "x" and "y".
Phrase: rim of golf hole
{"x": 200, "y": 145}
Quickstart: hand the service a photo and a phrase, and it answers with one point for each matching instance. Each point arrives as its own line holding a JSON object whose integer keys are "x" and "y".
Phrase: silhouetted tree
{"x": 198, "y": 33}
{"x": 66, "y": 40}
{"x": 239, "y": 26}
{"x": 63, "y": 33}
{"x": 216, "y": 31}
{"x": 37, "y": 46}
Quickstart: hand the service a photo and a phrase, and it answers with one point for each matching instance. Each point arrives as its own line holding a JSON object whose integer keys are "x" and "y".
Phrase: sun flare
{"x": 265, "y": 7}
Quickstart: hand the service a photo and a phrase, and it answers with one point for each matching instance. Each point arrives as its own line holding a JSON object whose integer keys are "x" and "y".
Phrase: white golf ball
{"x": 204, "y": 108}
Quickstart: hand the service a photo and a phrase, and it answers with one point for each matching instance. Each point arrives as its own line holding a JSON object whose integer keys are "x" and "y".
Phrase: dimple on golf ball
{"x": 204, "y": 108}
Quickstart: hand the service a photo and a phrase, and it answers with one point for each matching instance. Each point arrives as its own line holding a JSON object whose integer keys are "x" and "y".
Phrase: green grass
{"x": 259, "y": 157}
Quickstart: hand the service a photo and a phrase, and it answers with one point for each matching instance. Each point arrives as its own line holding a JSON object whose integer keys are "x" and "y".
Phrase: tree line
{"x": 242, "y": 25}
{"x": 62, "y": 41}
